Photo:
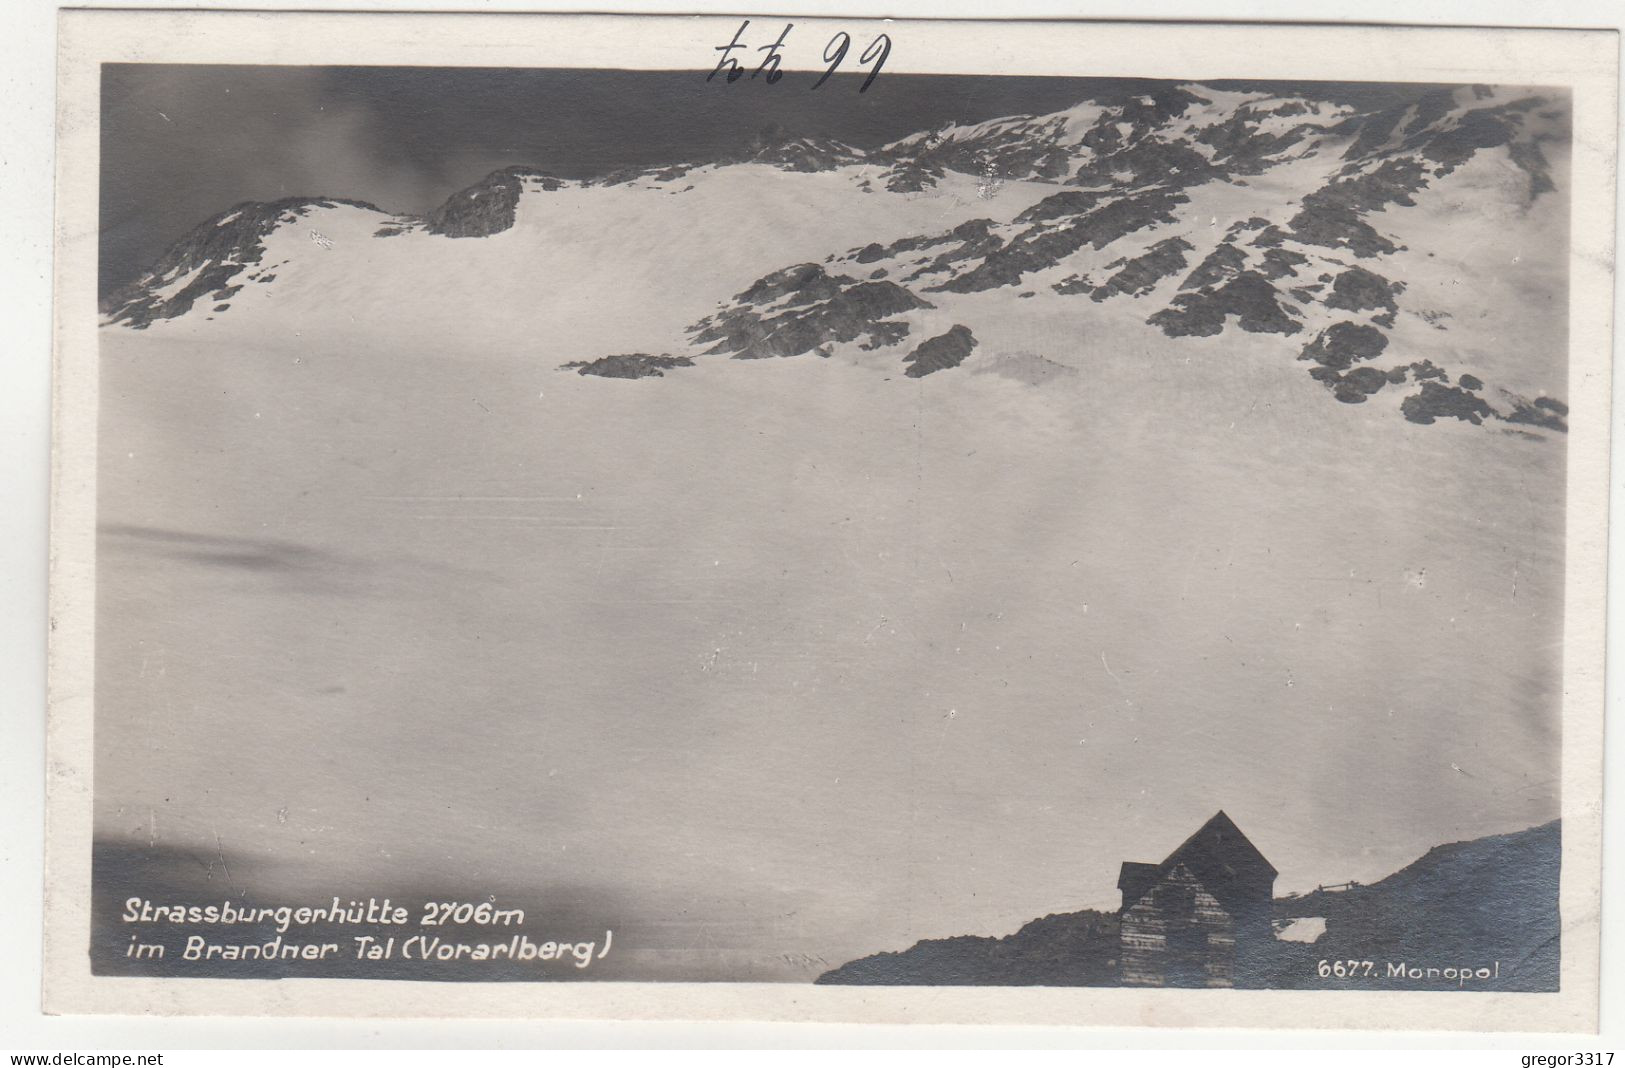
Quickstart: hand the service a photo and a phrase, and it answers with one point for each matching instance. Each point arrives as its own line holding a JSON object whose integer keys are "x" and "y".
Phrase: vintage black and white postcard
{"x": 830, "y": 519}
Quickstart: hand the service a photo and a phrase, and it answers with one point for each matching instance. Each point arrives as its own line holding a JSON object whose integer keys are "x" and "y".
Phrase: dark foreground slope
{"x": 1488, "y": 903}
{"x": 1491, "y": 901}
{"x": 1068, "y": 949}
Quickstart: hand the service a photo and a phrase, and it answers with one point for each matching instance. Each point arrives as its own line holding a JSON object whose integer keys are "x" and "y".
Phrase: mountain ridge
{"x": 1307, "y": 191}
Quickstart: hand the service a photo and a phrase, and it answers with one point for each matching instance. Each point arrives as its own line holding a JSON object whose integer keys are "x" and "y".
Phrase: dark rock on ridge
{"x": 1352, "y": 387}
{"x": 1358, "y": 289}
{"x": 486, "y": 207}
{"x": 1243, "y": 147}
{"x": 940, "y": 353}
{"x": 1148, "y": 162}
{"x": 1248, "y": 296}
{"x": 628, "y": 365}
{"x": 972, "y": 238}
{"x": 913, "y": 176}
{"x": 1544, "y": 412}
{"x": 1059, "y": 205}
{"x": 1046, "y": 245}
{"x": 1141, "y": 274}
{"x": 1333, "y": 216}
{"x": 1219, "y": 266}
{"x": 975, "y": 240}
{"x": 885, "y": 334}
{"x": 1440, "y": 402}
{"x": 802, "y": 309}
{"x": 218, "y": 250}
{"x": 1281, "y": 263}
{"x": 804, "y": 154}
{"x": 1341, "y": 344}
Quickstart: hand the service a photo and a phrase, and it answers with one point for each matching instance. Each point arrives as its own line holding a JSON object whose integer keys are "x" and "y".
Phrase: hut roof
{"x": 1218, "y": 855}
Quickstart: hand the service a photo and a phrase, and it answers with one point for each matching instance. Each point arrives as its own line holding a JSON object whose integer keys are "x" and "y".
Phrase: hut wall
{"x": 1178, "y": 934}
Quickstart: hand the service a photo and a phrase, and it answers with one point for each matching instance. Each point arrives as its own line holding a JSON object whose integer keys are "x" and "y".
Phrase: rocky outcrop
{"x": 1021, "y": 150}
{"x": 1148, "y": 162}
{"x": 971, "y": 239}
{"x": 1341, "y": 344}
{"x": 487, "y": 207}
{"x": 1437, "y": 401}
{"x": 1046, "y": 244}
{"x": 805, "y": 154}
{"x": 803, "y": 309}
{"x": 1067, "y": 204}
{"x": 1358, "y": 289}
{"x": 772, "y": 146}
{"x": 1141, "y": 274}
{"x": 885, "y": 334}
{"x": 1241, "y": 143}
{"x": 1545, "y": 412}
{"x": 913, "y": 176}
{"x": 1353, "y": 387}
{"x": 208, "y": 259}
{"x": 629, "y": 365}
{"x": 1248, "y": 296}
{"x": 940, "y": 353}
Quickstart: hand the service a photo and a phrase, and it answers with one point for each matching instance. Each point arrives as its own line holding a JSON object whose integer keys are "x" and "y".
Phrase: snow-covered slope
{"x": 566, "y": 270}
{"x": 1401, "y": 255}
{"x": 1198, "y": 212}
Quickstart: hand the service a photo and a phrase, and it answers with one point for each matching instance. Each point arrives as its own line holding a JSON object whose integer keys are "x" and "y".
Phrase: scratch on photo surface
{"x": 225, "y": 868}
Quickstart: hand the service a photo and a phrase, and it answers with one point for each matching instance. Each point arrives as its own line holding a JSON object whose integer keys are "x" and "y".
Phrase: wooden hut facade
{"x": 1202, "y": 916}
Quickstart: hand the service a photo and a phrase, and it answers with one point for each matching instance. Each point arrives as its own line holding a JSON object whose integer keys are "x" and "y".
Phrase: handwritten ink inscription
{"x": 873, "y": 57}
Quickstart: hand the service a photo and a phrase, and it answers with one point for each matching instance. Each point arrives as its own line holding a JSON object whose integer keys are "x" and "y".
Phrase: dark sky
{"x": 181, "y": 143}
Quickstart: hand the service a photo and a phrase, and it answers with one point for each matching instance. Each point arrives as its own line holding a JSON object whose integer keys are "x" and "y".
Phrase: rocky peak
{"x": 488, "y": 206}
{"x": 205, "y": 261}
